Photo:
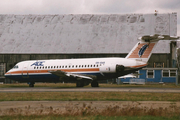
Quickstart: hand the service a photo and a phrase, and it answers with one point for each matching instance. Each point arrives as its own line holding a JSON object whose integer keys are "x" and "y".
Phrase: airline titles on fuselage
{"x": 40, "y": 65}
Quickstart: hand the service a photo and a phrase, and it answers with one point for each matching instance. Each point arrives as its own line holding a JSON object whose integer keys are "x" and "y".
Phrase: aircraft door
{"x": 25, "y": 70}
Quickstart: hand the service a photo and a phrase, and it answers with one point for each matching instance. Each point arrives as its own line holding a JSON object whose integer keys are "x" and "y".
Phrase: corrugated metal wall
{"x": 92, "y": 33}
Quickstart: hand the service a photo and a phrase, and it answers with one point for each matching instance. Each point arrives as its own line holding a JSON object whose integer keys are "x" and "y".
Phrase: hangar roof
{"x": 83, "y": 33}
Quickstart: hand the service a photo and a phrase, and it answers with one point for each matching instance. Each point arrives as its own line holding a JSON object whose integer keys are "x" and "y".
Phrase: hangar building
{"x": 31, "y": 37}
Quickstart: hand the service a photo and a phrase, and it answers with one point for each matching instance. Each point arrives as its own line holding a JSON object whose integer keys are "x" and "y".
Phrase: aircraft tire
{"x": 94, "y": 84}
{"x": 79, "y": 84}
{"x": 31, "y": 84}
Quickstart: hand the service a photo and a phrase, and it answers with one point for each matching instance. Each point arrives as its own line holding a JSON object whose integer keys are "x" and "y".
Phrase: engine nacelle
{"x": 111, "y": 68}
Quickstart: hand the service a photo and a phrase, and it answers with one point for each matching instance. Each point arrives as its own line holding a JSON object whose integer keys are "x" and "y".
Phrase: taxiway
{"x": 85, "y": 89}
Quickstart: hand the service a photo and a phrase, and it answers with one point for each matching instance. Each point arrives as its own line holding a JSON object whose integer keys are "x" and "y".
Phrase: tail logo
{"x": 142, "y": 50}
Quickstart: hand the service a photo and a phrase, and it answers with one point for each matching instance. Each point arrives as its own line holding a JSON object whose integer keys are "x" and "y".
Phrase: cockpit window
{"x": 15, "y": 67}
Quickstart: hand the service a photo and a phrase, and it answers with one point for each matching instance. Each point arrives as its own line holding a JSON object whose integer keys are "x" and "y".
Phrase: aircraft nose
{"x": 7, "y": 74}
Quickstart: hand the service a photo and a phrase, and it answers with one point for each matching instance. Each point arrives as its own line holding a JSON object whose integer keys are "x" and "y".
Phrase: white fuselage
{"x": 38, "y": 70}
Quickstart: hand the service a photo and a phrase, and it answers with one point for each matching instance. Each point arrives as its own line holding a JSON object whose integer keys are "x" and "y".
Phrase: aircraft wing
{"x": 66, "y": 74}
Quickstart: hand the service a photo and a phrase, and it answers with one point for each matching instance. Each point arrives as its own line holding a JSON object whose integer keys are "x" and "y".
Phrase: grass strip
{"x": 89, "y": 96}
{"x": 55, "y": 117}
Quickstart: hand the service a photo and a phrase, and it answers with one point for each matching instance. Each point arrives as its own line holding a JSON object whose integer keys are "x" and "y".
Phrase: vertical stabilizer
{"x": 143, "y": 49}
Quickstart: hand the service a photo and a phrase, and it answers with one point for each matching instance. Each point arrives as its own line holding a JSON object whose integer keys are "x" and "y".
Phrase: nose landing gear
{"x": 31, "y": 84}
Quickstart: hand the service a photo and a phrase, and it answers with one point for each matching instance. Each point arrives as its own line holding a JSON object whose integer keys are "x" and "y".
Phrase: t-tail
{"x": 143, "y": 49}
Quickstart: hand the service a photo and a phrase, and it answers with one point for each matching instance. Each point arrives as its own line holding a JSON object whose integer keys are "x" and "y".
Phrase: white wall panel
{"x": 93, "y": 33}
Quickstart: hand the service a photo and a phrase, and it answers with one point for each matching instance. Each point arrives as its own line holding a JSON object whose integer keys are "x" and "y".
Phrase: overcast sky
{"x": 89, "y": 7}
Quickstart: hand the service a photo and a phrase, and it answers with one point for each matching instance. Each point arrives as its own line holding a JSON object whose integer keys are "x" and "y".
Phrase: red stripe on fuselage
{"x": 138, "y": 66}
{"x": 46, "y": 71}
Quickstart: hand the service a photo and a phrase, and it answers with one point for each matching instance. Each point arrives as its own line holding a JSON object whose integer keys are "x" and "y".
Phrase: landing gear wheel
{"x": 79, "y": 84}
{"x": 31, "y": 84}
{"x": 94, "y": 84}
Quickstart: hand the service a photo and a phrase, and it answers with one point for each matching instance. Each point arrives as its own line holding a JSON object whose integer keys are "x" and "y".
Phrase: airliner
{"x": 86, "y": 71}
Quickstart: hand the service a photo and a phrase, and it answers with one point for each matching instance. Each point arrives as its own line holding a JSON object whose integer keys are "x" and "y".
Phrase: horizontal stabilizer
{"x": 156, "y": 37}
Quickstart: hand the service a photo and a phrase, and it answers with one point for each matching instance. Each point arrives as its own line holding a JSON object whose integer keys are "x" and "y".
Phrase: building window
{"x": 150, "y": 73}
{"x": 172, "y": 73}
{"x": 165, "y": 73}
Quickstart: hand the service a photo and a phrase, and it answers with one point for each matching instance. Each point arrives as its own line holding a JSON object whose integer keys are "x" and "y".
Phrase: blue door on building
{"x": 142, "y": 74}
{"x": 157, "y": 75}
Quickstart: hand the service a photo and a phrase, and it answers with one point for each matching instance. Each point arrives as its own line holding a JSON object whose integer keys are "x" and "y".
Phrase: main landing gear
{"x": 31, "y": 84}
{"x": 94, "y": 84}
{"x": 81, "y": 83}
